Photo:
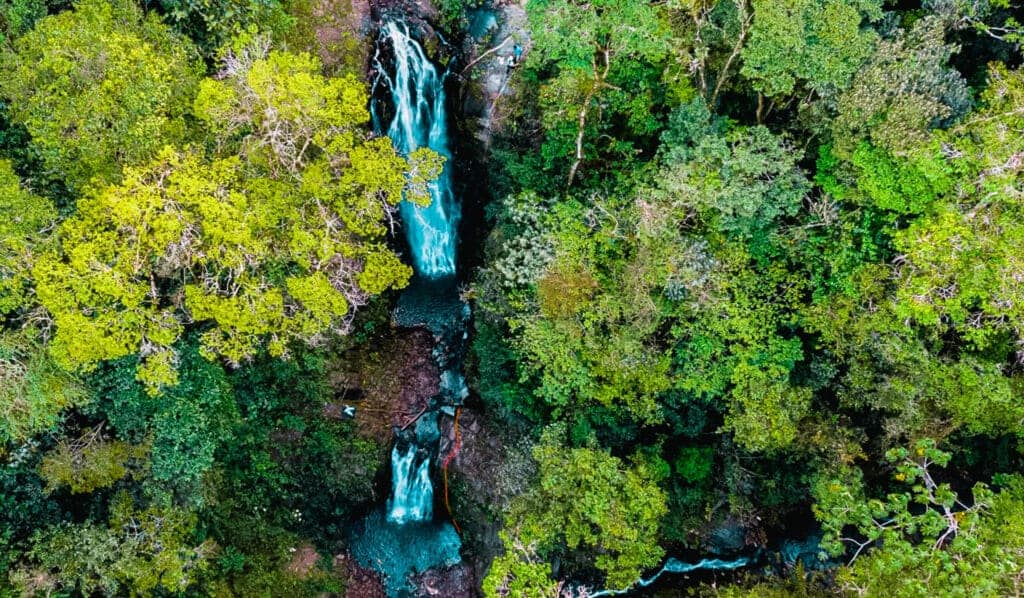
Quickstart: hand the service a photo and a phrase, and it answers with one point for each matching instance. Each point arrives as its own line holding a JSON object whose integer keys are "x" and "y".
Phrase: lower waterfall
{"x": 412, "y": 493}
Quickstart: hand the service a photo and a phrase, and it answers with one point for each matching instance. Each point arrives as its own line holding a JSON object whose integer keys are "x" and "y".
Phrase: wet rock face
{"x": 490, "y": 466}
{"x": 426, "y": 429}
{"x": 807, "y": 552}
{"x": 493, "y": 34}
{"x": 387, "y": 387}
{"x": 730, "y": 536}
{"x": 419, "y": 15}
{"x": 419, "y": 9}
{"x": 453, "y": 582}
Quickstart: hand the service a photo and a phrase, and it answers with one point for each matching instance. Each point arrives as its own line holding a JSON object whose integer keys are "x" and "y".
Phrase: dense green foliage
{"x": 586, "y": 499}
{"x": 285, "y": 251}
{"x": 948, "y": 547}
{"x": 99, "y": 87}
{"x": 798, "y": 290}
{"x": 171, "y": 247}
{"x": 751, "y": 279}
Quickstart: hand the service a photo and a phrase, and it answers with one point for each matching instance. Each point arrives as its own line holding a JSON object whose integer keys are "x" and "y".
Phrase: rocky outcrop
{"x": 490, "y": 467}
{"x": 420, "y": 15}
{"x": 453, "y": 582}
{"x": 304, "y": 560}
{"x": 339, "y": 31}
{"x": 489, "y": 80}
{"x": 360, "y": 581}
{"x": 388, "y": 386}
{"x": 414, "y": 9}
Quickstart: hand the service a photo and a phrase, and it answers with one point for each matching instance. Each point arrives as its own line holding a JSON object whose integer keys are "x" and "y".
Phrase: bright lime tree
{"x": 282, "y": 243}
{"x": 33, "y": 390}
{"x": 25, "y": 221}
{"x": 183, "y": 241}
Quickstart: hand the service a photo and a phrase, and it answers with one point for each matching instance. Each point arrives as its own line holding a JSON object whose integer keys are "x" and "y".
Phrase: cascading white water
{"x": 417, "y": 92}
{"x": 403, "y": 539}
{"x": 412, "y": 494}
{"x": 417, "y": 97}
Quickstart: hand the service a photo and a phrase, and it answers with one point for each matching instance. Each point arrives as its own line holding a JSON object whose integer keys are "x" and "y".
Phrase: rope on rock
{"x": 444, "y": 467}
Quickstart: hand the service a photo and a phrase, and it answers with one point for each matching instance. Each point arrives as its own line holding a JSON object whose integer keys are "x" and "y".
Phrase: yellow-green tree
{"x": 818, "y": 44}
{"x": 33, "y": 389}
{"x": 25, "y": 219}
{"x": 91, "y": 461}
{"x": 280, "y": 243}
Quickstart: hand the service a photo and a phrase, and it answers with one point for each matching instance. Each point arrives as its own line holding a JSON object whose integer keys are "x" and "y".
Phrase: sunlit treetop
{"x": 25, "y": 221}
{"x": 279, "y": 244}
{"x": 807, "y": 43}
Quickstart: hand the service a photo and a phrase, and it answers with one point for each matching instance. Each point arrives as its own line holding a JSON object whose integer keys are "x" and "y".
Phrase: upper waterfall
{"x": 417, "y": 94}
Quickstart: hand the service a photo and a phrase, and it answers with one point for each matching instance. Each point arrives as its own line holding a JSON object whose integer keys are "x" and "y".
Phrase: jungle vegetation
{"x": 749, "y": 265}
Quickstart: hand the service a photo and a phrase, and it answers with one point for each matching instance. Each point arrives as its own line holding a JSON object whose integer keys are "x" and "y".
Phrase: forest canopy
{"x": 746, "y": 280}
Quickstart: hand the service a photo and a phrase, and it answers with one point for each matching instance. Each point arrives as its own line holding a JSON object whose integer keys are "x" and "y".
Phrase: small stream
{"x": 673, "y": 565}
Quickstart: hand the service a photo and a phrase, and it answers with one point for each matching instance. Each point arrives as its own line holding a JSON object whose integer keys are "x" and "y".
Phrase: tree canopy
{"x": 100, "y": 87}
{"x": 280, "y": 243}
{"x": 738, "y": 289}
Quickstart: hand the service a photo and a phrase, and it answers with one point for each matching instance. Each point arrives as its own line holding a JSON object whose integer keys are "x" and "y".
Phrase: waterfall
{"x": 403, "y": 538}
{"x": 417, "y": 94}
{"x": 412, "y": 494}
{"x": 676, "y": 566}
